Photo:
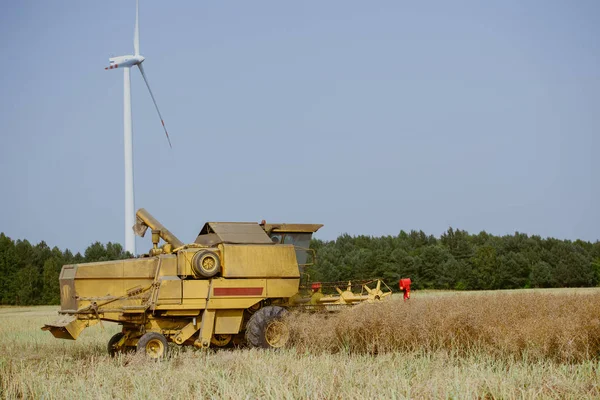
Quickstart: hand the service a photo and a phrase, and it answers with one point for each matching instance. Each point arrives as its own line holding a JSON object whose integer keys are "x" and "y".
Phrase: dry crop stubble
{"x": 431, "y": 347}
{"x": 558, "y": 326}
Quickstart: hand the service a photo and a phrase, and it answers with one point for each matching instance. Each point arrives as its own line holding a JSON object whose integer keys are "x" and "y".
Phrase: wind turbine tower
{"x": 126, "y": 63}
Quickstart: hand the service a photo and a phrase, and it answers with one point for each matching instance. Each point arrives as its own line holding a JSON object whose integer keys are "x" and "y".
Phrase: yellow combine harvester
{"x": 233, "y": 285}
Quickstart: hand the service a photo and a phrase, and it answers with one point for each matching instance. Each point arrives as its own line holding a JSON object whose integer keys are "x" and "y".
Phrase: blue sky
{"x": 368, "y": 117}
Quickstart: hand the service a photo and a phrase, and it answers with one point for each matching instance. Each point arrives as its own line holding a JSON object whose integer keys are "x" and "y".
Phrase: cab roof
{"x": 247, "y": 232}
{"x": 291, "y": 228}
{"x": 233, "y": 232}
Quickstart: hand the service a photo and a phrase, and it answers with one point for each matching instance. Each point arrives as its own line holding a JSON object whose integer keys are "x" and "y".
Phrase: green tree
{"x": 542, "y": 275}
{"x": 432, "y": 259}
{"x": 8, "y": 268}
{"x": 485, "y": 268}
{"x": 25, "y": 286}
{"x": 50, "y": 283}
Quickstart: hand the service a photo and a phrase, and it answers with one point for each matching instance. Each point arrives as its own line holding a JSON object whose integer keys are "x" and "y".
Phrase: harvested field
{"x": 469, "y": 345}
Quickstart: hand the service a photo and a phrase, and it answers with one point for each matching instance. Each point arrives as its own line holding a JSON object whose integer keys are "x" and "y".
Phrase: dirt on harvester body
{"x": 233, "y": 285}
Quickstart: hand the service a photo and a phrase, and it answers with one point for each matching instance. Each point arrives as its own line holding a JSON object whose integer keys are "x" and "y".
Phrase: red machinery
{"x": 404, "y": 285}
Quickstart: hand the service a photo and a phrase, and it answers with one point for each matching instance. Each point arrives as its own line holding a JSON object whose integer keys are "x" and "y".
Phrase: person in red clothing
{"x": 405, "y": 287}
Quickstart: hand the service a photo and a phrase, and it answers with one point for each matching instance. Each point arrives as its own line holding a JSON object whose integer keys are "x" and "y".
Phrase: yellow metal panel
{"x": 228, "y": 321}
{"x": 236, "y": 283}
{"x": 206, "y": 330}
{"x": 170, "y": 290}
{"x": 195, "y": 289}
{"x": 105, "y": 281}
{"x": 134, "y": 268}
{"x": 140, "y": 267}
{"x": 236, "y": 303}
{"x": 184, "y": 262}
{"x": 168, "y": 265}
{"x": 109, "y": 269}
{"x": 195, "y": 293}
{"x": 259, "y": 261}
{"x": 282, "y": 287}
{"x": 90, "y": 288}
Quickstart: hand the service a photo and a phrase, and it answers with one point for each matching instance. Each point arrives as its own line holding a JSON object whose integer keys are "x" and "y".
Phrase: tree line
{"x": 29, "y": 273}
{"x": 460, "y": 261}
{"x": 456, "y": 260}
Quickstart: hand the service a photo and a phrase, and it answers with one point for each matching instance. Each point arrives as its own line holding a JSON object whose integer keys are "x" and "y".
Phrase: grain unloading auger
{"x": 233, "y": 285}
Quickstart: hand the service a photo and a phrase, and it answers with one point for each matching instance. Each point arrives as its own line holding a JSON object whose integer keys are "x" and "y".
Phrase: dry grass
{"x": 422, "y": 353}
{"x": 561, "y": 326}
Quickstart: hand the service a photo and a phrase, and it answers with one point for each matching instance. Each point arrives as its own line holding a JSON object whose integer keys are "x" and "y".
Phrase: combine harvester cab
{"x": 233, "y": 285}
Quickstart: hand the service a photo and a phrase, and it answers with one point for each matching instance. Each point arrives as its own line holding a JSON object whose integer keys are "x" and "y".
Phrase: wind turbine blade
{"x": 155, "y": 105}
{"x": 136, "y": 33}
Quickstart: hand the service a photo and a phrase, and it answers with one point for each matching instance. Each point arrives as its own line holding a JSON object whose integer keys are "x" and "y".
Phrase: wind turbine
{"x": 127, "y": 62}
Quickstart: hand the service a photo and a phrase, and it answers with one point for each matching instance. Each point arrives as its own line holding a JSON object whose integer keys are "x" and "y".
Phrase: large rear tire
{"x": 267, "y": 329}
{"x": 153, "y": 345}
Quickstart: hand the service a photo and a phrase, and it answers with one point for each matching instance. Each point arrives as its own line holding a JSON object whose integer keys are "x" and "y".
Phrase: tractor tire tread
{"x": 255, "y": 328}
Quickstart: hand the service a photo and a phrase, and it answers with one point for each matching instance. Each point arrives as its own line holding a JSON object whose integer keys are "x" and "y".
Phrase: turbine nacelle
{"x": 125, "y": 61}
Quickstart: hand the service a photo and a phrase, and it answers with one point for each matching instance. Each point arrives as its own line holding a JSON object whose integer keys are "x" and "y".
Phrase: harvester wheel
{"x": 154, "y": 345}
{"x": 221, "y": 340}
{"x": 206, "y": 264}
{"x": 112, "y": 349}
{"x": 267, "y": 329}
